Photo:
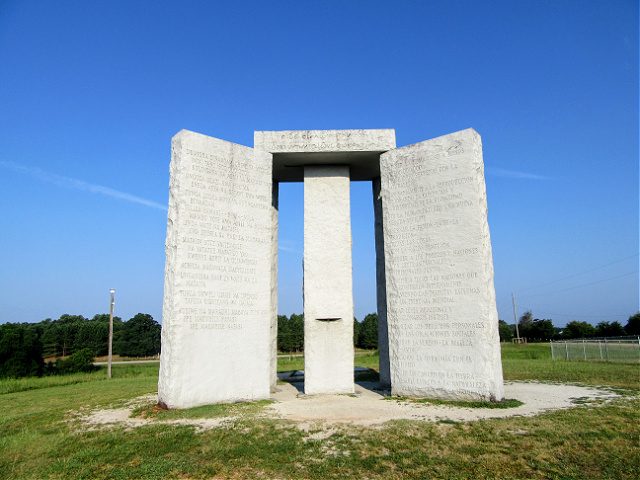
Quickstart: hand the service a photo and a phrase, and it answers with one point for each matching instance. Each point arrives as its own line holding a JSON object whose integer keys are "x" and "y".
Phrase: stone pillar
{"x": 217, "y": 290}
{"x": 441, "y": 304}
{"x": 381, "y": 288}
{"x": 328, "y": 288}
{"x": 274, "y": 287}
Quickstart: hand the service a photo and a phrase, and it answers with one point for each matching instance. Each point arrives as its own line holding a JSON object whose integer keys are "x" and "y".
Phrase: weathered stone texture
{"x": 290, "y": 141}
{"x": 274, "y": 287}
{"x": 441, "y": 309}
{"x": 381, "y": 288}
{"x": 217, "y": 295}
{"x": 328, "y": 297}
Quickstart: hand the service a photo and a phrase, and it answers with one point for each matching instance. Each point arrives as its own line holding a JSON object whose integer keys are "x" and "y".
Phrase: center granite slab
{"x": 328, "y": 290}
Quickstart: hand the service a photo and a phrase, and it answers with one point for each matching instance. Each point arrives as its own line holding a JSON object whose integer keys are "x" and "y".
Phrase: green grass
{"x": 533, "y": 362}
{"x": 506, "y": 403}
{"x": 11, "y": 385}
{"x": 39, "y": 439}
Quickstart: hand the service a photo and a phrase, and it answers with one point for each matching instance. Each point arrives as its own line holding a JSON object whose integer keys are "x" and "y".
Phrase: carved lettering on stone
{"x": 441, "y": 310}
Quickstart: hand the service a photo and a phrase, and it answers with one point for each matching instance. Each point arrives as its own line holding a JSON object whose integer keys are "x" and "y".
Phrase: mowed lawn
{"x": 40, "y": 439}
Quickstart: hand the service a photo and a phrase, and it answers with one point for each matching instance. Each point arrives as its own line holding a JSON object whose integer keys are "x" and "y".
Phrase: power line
{"x": 581, "y": 286}
{"x": 578, "y": 273}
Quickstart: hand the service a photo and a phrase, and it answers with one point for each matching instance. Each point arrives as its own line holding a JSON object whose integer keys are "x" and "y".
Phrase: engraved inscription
{"x": 225, "y": 229}
{"x": 439, "y": 307}
{"x": 325, "y": 140}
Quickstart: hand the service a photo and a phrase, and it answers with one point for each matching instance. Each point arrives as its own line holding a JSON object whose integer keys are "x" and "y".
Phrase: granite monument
{"x": 438, "y": 325}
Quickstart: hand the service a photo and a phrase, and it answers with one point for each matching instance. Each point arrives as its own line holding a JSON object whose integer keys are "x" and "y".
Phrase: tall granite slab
{"x": 218, "y": 275}
{"x": 381, "y": 288}
{"x": 273, "y": 347}
{"x": 441, "y": 308}
{"x": 328, "y": 289}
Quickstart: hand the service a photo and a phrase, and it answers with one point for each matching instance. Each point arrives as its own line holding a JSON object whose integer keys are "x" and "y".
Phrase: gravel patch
{"x": 370, "y": 408}
{"x": 316, "y": 414}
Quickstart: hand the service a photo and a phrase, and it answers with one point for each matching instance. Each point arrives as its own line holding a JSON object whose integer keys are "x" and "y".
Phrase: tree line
{"x": 25, "y": 346}
{"x": 539, "y": 330}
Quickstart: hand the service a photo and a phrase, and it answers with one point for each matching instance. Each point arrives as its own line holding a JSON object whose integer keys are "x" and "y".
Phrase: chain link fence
{"x": 611, "y": 349}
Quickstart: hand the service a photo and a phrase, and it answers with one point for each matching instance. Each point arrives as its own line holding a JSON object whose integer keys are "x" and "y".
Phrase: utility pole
{"x": 111, "y": 305}
{"x": 515, "y": 316}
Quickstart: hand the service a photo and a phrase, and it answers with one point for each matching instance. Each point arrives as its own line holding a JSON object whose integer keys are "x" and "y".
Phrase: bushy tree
{"x": 541, "y": 330}
{"x": 506, "y": 331}
{"x": 80, "y": 361}
{"x": 284, "y": 334}
{"x": 20, "y": 351}
{"x": 140, "y": 337}
{"x": 575, "y": 329}
{"x": 524, "y": 324}
{"x": 368, "y": 334}
{"x": 356, "y": 331}
{"x": 297, "y": 330}
{"x": 291, "y": 333}
{"x": 609, "y": 329}
{"x": 633, "y": 325}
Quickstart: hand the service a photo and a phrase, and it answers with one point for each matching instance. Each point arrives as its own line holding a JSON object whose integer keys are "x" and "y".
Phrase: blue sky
{"x": 92, "y": 92}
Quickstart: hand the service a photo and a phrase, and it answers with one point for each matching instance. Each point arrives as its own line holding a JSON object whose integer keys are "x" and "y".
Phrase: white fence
{"x": 613, "y": 349}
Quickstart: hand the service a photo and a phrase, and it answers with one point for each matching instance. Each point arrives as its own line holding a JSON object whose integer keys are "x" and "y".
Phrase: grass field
{"x": 38, "y": 439}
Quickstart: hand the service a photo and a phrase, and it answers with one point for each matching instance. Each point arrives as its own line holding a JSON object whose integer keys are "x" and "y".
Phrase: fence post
{"x": 553, "y": 357}
{"x": 606, "y": 349}
{"x": 584, "y": 348}
{"x": 566, "y": 349}
{"x": 600, "y": 348}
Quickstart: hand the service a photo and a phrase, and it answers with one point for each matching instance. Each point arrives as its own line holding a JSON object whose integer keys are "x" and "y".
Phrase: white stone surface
{"x": 217, "y": 294}
{"x": 328, "y": 291}
{"x": 274, "y": 288}
{"x": 290, "y": 141}
{"x": 381, "y": 288}
{"x": 441, "y": 309}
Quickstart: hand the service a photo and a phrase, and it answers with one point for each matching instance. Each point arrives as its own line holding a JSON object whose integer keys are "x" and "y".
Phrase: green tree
{"x": 609, "y": 329}
{"x": 291, "y": 333}
{"x": 633, "y": 325}
{"x": 541, "y": 330}
{"x": 356, "y": 331}
{"x": 80, "y": 361}
{"x": 20, "y": 351}
{"x": 140, "y": 337}
{"x": 50, "y": 338}
{"x": 297, "y": 332}
{"x": 284, "y": 334}
{"x": 368, "y": 335}
{"x": 525, "y": 323}
{"x": 575, "y": 329}
{"x": 506, "y": 331}
{"x": 67, "y": 328}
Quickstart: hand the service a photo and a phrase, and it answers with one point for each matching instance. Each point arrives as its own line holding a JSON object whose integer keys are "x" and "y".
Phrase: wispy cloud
{"x": 74, "y": 183}
{"x": 502, "y": 172}
{"x": 289, "y": 246}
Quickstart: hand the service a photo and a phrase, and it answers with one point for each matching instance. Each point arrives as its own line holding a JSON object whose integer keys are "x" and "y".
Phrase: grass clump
{"x": 505, "y": 403}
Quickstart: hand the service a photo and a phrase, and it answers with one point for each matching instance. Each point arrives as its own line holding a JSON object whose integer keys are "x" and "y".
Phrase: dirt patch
{"x": 122, "y": 417}
{"x": 319, "y": 414}
{"x": 371, "y": 408}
